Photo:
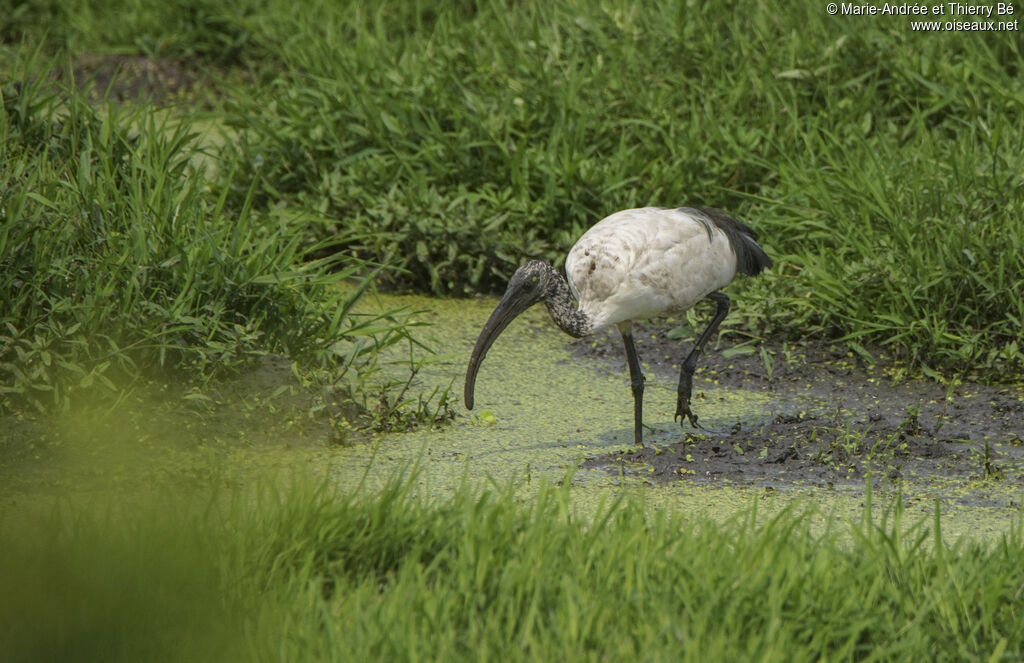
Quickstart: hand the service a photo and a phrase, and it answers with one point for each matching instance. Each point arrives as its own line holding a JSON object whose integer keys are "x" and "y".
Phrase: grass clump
{"x": 214, "y": 33}
{"x": 880, "y": 164}
{"x": 914, "y": 243}
{"x": 120, "y": 262}
{"x": 301, "y": 573}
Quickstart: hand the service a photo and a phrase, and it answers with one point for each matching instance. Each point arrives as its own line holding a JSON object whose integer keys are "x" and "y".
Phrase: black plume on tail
{"x": 750, "y": 257}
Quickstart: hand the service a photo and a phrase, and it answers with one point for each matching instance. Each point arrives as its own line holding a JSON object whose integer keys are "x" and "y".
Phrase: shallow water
{"x": 539, "y": 413}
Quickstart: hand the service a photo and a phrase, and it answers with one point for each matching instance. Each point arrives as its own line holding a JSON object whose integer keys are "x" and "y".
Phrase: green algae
{"x": 541, "y": 411}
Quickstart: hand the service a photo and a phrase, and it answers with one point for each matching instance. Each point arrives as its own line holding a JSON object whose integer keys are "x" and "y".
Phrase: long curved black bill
{"x": 512, "y": 304}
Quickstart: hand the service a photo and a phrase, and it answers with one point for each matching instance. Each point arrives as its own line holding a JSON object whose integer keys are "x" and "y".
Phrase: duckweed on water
{"x": 541, "y": 411}
{"x": 529, "y": 428}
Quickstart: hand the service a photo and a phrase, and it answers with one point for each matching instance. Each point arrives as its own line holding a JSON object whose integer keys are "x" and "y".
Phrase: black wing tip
{"x": 750, "y": 257}
{"x": 725, "y": 221}
{"x": 753, "y": 260}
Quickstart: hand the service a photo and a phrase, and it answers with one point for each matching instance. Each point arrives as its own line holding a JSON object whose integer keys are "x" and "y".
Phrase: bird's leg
{"x": 683, "y": 410}
{"x": 636, "y": 381}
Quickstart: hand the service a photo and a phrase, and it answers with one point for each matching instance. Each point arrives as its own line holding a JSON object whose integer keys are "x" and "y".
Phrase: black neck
{"x": 563, "y": 309}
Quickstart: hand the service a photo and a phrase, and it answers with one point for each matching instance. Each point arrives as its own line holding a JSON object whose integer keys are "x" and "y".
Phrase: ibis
{"x": 634, "y": 265}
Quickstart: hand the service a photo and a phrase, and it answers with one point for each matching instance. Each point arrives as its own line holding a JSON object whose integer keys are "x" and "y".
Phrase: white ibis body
{"x": 633, "y": 265}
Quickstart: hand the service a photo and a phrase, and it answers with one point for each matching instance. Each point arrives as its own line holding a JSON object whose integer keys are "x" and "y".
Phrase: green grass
{"x": 882, "y": 166}
{"x": 446, "y": 144}
{"x": 293, "y": 571}
{"x": 213, "y": 32}
{"x": 121, "y": 263}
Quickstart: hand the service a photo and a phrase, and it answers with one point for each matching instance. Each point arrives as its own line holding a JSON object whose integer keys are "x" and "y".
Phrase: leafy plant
{"x": 120, "y": 262}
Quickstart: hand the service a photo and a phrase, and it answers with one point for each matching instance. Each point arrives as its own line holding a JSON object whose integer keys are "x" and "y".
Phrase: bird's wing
{"x": 647, "y": 262}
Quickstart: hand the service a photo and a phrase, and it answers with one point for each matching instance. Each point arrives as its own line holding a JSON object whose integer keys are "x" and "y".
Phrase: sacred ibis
{"x": 633, "y": 265}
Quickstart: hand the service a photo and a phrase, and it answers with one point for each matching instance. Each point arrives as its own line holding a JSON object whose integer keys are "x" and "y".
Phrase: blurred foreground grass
{"x": 286, "y": 568}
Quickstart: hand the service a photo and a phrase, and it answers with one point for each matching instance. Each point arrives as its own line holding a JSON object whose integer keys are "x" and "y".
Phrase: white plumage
{"x": 648, "y": 262}
{"x": 633, "y": 265}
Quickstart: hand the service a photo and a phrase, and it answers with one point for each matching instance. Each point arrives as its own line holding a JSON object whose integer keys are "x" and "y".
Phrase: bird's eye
{"x": 533, "y": 279}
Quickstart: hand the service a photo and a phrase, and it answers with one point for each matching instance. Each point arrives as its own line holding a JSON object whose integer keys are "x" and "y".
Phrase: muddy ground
{"x": 832, "y": 419}
{"x": 162, "y": 81}
{"x": 135, "y": 77}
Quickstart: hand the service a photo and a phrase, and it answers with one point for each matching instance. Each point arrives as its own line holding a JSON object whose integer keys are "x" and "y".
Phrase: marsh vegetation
{"x": 194, "y": 193}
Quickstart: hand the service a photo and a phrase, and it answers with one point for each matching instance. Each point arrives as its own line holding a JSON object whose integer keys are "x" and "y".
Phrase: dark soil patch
{"x": 832, "y": 420}
{"x": 135, "y": 77}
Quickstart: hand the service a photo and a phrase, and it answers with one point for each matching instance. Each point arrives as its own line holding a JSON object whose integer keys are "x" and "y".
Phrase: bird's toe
{"x": 684, "y": 414}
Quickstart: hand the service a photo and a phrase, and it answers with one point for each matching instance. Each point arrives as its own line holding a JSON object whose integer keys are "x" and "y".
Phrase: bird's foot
{"x": 683, "y": 393}
{"x": 683, "y": 412}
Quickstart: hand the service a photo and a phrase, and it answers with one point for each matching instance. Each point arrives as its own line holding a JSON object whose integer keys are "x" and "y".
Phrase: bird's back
{"x": 652, "y": 261}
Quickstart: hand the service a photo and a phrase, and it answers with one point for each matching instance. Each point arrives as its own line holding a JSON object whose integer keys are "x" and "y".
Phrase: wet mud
{"x": 135, "y": 77}
{"x": 830, "y": 420}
